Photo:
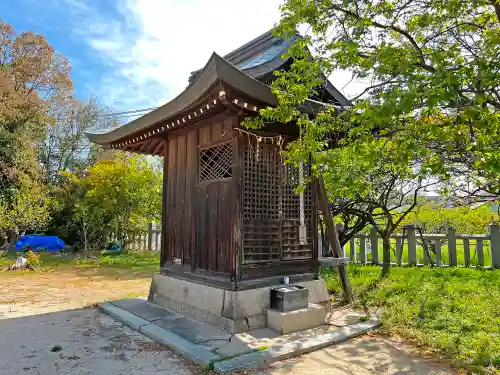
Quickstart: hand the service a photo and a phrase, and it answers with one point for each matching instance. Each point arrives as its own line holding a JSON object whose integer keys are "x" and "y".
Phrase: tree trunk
{"x": 85, "y": 240}
{"x": 12, "y": 234}
{"x": 386, "y": 254}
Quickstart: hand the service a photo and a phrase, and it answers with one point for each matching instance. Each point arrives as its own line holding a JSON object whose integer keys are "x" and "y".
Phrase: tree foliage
{"x": 435, "y": 218}
{"x": 29, "y": 208}
{"x": 66, "y": 148}
{"x": 118, "y": 196}
{"x": 430, "y": 110}
{"x": 433, "y": 72}
{"x": 33, "y": 80}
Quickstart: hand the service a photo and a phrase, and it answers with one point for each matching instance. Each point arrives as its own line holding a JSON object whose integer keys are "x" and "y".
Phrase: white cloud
{"x": 151, "y": 53}
{"x": 150, "y": 47}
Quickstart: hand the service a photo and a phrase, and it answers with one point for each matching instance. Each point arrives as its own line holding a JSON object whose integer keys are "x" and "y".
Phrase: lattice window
{"x": 261, "y": 203}
{"x": 261, "y": 182}
{"x": 272, "y": 207}
{"x": 215, "y": 162}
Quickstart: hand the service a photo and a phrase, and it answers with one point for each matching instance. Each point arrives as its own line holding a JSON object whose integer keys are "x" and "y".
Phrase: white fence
{"x": 413, "y": 248}
{"x": 150, "y": 241}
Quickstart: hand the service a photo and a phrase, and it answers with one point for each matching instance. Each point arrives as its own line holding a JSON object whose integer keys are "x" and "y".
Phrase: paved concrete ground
{"x": 94, "y": 343}
{"x": 364, "y": 355}
{"x": 90, "y": 343}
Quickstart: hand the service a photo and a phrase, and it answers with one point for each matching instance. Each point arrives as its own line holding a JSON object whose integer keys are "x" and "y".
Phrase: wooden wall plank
{"x": 170, "y": 205}
{"x": 216, "y": 132}
{"x": 191, "y": 180}
{"x": 223, "y": 244}
{"x": 201, "y": 225}
{"x": 164, "y": 244}
{"x": 212, "y": 217}
{"x": 228, "y": 127}
{"x": 180, "y": 187}
{"x": 205, "y": 136}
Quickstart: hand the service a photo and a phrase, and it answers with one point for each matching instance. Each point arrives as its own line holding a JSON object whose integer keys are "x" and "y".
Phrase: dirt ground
{"x": 45, "y": 330}
{"x": 63, "y": 289}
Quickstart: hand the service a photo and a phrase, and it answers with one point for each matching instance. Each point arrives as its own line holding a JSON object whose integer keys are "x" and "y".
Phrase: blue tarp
{"x": 36, "y": 243}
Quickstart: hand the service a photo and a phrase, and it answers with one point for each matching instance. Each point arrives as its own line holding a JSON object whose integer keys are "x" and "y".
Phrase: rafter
{"x": 159, "y": 148}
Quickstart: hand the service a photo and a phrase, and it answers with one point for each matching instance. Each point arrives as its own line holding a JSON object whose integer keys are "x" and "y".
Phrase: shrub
{"x": 33, "y": 258}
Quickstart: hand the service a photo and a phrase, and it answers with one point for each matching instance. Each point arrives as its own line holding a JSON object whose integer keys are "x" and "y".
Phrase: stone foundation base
{"x": 233, "y": 311}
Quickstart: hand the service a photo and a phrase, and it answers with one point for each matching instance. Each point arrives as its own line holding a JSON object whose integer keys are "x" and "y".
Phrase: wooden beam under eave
{"x": 134, "y": 147}
{"x": 144, "y": 145}
{"x": 152, "y": 146}
{"x": 128, "y": 148}
{"x": 159, "y": 148}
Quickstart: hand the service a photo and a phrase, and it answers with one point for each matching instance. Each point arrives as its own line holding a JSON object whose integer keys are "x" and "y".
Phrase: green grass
{"x": 455, "y": 311}
{"x": 130, "y": 262}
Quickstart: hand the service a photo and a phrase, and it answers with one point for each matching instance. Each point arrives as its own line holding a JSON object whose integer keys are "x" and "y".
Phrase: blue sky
{"x": 139, "y": 53}
{"x": 134, "y": 54}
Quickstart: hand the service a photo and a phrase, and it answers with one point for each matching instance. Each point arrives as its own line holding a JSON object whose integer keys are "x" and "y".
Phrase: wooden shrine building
{"x": 231, "y": 217}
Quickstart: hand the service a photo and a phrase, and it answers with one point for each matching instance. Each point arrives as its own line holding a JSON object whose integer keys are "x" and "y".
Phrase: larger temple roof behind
{"x": 260, "y": 57}
{"x": 260, "y": 51}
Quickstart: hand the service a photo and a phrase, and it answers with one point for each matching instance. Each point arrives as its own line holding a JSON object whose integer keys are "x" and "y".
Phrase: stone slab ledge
{"x": 202, "y": 356}
{"x": 280, "y": 352}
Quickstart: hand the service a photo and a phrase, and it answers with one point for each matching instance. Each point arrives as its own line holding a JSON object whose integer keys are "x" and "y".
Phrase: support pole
{"x": 333, "y": 238}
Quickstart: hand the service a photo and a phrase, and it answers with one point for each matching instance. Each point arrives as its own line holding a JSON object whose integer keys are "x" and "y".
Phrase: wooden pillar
{"x": 238, "y": 209}
{"x": 352, "y": 249}
{"x": 452, "y": 248}
{"x": 362, "y": 249}
{"x": 480, "y": 253}
{"x": 150, "y": 235}
{"x": 437, "y": 249}
{"x": 333, "y": 238}
{"x": 494, "y": 230}
{"x": 412, "y": 245}
{"x": 374, "y": 245}
{"x": 466, "y": 252}
{"x": 164, "y": 243}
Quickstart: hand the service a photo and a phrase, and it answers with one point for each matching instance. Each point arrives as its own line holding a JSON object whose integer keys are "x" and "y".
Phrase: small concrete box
{"x": 289, "y": 298}
{"x": 297, "y": 320}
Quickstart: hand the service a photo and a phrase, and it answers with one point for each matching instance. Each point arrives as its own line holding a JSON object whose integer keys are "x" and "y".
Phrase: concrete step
{"x": 286, "y": 322}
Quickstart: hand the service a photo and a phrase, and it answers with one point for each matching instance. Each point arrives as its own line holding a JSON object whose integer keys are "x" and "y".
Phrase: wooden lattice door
{"x": 214, "y": 203}
{"x": 272, "y": 208}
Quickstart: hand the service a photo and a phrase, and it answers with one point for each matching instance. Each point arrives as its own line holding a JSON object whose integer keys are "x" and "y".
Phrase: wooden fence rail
{"x": 148, "y": 241}
{"x": 413, "y": 248}
{"x": 409, "y": 248}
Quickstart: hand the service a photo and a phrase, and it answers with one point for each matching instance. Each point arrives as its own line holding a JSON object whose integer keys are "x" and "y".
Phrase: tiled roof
{"x": 257, "y": 53}
{"x": 273, "y": 51}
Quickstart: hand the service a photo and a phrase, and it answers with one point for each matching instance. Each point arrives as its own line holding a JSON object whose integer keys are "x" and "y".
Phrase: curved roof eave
{"x": 217, "y": 68}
